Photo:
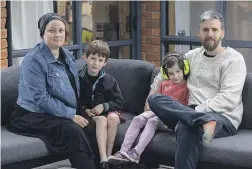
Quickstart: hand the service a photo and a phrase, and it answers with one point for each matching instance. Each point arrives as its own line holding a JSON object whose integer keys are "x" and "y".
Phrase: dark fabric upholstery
{"x": 154, "y": 74}
{"x": 9, "y": 92}
{"x": 17, "y": 148}
{"x": 134, "y": 78}
{"x": 235, "y": 150}
{"x": 128, "y": 115}
{"x": 247, "y": 103}
{"x": 80, "y": 63}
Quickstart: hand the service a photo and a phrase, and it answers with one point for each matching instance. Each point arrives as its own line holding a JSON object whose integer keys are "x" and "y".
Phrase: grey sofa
{"x": 134, "y": 78}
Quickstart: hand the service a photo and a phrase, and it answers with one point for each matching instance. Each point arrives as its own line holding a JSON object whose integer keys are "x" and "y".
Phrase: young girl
{"x": 175, "y": 70}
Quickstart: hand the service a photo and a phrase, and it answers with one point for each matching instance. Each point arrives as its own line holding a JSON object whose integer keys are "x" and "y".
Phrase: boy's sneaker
{"x": 117, "y": 159}
{"x": 131, "y": 155}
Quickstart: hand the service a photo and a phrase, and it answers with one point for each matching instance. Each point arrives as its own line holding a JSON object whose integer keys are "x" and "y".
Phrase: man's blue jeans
{"x": 189, "y": 131}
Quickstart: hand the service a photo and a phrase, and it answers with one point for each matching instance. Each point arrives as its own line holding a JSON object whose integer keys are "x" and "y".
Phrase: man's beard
{"x": 209, "y": 46}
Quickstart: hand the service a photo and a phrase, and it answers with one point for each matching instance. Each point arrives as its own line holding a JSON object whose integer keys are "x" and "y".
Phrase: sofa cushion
{"x": 234, "y": 150}
{"x": 127, "y": 115}
{"x": 247, "y": 100}
{"x": 16, "y": 148}
{"x": 9, "y": 91}
{"x": 133, "y": 77}
{"x": 80, "y": 63}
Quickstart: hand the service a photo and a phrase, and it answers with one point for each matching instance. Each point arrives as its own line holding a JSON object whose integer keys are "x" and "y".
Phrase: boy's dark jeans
{"x": 189, "y": 131}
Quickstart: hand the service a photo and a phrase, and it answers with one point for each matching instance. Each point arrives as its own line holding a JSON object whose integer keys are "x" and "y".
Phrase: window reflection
{"x": 239, "y": 20}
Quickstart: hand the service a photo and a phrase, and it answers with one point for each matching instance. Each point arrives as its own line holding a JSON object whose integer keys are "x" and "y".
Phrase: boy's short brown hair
{"x": 98, "y": 47}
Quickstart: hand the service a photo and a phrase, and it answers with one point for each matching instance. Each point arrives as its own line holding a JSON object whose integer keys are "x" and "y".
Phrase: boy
{"x": 100, "y": 98}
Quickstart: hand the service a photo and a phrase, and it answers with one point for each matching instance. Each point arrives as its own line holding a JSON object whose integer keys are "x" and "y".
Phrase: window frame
{"x": 78, "y": 46}
{"x": 191, "y": 40}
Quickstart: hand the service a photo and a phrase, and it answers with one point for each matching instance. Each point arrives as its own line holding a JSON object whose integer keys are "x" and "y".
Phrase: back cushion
{"x": 247, "y": 103}
{"x": 154, "y": 74}
{"x": 9, "y": 91}
{"x": 134, "y": 78}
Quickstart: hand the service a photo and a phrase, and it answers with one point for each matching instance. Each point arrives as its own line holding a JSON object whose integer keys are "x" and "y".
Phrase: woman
{"x": 48, "y": 95}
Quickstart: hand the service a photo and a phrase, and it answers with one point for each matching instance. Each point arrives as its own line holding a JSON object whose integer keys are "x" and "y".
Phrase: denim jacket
{"x": 44, "y": 86}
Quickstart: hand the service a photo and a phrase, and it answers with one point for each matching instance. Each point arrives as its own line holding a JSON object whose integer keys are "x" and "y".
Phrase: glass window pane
{"x": 183, "y": 16}
{"x": 121, "y": 52}
{"x": 177, "y": 48}
{"x": 24, "y": 23}
{"x": 105, "y": 20}
{"x": 64, "y": 8}
{"x": 239, "y": 20}
{"x": 21, "y": 17}
{"x": 246, "y": 52}
{"x": 194, "y": 47}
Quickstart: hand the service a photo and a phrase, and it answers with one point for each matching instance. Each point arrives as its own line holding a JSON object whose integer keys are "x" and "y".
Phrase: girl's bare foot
{"x": 208, "y": 128}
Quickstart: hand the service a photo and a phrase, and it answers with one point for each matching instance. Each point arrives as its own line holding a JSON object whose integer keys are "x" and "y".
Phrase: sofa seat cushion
{"x": 16, "y": 148}
{"x": 133, "y": 77}
{"x": 235, "y": 150}
{"x": 127, "y": 115}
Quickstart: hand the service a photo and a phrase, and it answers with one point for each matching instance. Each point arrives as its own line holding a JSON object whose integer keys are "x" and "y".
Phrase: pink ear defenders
{"x": 178, "y": 55}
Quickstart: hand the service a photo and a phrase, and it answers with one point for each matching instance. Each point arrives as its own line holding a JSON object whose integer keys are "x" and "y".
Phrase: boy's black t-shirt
{"x": 92, "y": 79}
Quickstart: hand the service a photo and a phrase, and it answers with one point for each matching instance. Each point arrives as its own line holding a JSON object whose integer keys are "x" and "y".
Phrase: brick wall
{"x": 4, "y": 44}
{"x": 151, "y": 31}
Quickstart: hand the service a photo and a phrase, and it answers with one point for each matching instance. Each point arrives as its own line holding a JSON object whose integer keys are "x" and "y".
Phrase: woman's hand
{"x": 89, "y": 113}
{"x": 97, "y": 109}
{"x": 81, "y": 121}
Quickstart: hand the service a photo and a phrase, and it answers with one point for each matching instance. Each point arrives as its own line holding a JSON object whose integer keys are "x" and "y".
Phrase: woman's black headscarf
{"x": 45, "y": 19}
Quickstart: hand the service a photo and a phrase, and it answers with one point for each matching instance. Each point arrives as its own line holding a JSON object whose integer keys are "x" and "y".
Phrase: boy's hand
{"x": 89, "y": 113}
{"x": 97, "y": 109}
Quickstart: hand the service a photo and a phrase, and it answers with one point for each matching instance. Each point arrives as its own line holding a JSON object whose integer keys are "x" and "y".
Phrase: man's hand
{"x": 89, "y": 113}
{"x": 97, "y": 109}
{"x": 81, "y": 121}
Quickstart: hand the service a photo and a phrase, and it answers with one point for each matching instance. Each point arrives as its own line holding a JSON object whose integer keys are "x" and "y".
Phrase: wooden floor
{"x": 65, "y": 164}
